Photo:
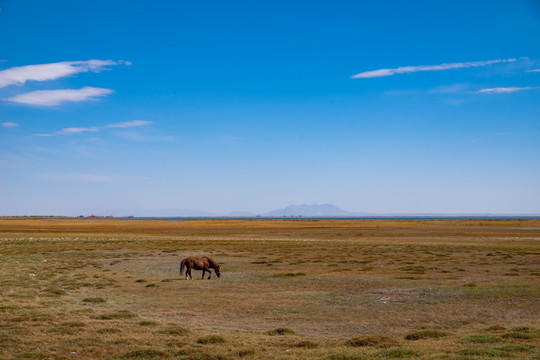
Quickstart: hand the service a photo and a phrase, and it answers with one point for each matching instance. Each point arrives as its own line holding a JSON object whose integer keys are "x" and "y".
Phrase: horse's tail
{"x": 182, "y": 266}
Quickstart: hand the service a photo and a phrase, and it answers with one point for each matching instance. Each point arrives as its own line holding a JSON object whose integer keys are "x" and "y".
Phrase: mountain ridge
{"x": 304, "y": 210}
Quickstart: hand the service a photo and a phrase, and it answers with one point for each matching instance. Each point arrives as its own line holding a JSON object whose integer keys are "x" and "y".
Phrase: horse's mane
{"x": 211, "y": 261}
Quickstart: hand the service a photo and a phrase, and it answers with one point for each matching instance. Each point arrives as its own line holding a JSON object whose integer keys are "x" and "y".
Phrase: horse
{"x": 204, "y": 264}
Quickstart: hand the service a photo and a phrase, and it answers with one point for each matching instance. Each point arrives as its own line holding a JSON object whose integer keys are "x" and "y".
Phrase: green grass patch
{"x": 523, "y": 329}
{"x": 175, "y": 331}
{"x": 54, "y": 292}
{"x": 495, "y": 328}
{"x": 483, "y": 352}
{"x": 204, "y": 356}
{"x": 144, "y": 354}
{"x": 346, "y": 357}
{"x": 398, "y": 353}
{"x": 306, "y": 344}
{"x": 519, "y": 335}
{"x": 211, "y": 339}
{"x": 481, "y": 339}
{"x": 515, "y": 348}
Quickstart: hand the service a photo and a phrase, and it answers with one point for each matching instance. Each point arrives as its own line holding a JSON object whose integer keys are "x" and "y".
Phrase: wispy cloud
{"x": 56, "y": 97}
{"x": 412, "y": 69}
{"x": 503, "y": 90}
{"x": 80, "y": 130}
{"x": 9, "y": 124}
{"x": 44, "y": 72}
{"x": 534, "y": 70}
{"x": 128, "y": 124}
{"x": 71, "y": 131}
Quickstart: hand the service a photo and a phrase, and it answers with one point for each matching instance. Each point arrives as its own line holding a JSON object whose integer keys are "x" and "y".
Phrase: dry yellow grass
{"x": 91, "y": 289}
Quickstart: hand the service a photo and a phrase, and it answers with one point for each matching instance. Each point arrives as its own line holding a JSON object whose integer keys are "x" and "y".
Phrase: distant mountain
{"x": 314, "y": 210}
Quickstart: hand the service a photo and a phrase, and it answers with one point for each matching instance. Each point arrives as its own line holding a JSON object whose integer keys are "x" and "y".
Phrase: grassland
{"x": 336, "y": 290}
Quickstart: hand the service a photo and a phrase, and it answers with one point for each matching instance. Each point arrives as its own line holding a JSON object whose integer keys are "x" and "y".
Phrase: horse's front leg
{"x": 203, "y": 271}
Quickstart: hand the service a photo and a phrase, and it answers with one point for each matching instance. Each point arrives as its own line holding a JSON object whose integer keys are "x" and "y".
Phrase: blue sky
{"x": 383, "y": 107}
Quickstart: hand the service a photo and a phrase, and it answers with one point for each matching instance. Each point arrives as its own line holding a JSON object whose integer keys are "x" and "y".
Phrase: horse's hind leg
{"x": 203, "y": 271}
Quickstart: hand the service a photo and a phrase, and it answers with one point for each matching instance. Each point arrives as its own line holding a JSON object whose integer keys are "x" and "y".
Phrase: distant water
{"x": 486, "y": 217}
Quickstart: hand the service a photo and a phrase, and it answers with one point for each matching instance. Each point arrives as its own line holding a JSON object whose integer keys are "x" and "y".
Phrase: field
{"x": 290, "y": 289}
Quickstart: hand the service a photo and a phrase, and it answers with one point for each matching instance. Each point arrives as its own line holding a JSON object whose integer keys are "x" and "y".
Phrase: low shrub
{"x": 495, "y": 328}
{"x": 175, "y": 330}
{"x": 93, "y": 300}
{"x": 425, "y": 334}
{"x": 211, "y": 339}
{"x": 306, "y": 344}
{"x": 398, "y": 353}
{"x": 122, "y": 314}
{"x": 280, "y": 331}
{"x": 147, "y": 323}
{"x": 144, "y": 354}
{"x": 371, "y": 340}
{"x": 346, "y": 357}
{"x": 289, "y": 275}
{"x": 245, "y": 352}
{"x": 108, "y": 331}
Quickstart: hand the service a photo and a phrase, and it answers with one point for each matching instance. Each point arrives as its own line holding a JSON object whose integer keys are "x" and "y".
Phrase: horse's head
{"x": 218, "y": 270}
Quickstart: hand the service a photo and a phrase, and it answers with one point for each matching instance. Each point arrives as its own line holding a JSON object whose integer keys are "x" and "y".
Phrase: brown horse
{"x": 204, "y": 264}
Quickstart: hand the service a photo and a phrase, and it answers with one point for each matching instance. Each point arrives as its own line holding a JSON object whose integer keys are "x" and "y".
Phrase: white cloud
{"x": 56, "y": 97}
{"x": 79, "y": 130}
{"x": 9, "y": 124}
{"x": 534, "y": 70}
{"x": 71, "y": 131}
{"x": 128, "y": 124}
{"x": 412, "y": 69}
{"x": 53, "y": 71}
{"x": 503, "y": 90}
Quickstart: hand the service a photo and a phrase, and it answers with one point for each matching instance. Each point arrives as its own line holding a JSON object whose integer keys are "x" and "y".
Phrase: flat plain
{"x": 290, "y": 289}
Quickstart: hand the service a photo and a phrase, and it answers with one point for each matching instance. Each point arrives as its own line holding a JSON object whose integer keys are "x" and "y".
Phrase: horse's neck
{"x": 211, "y": 263}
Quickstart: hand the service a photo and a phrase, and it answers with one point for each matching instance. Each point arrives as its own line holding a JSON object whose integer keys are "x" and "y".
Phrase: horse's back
{"x": 199, "y": 263}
